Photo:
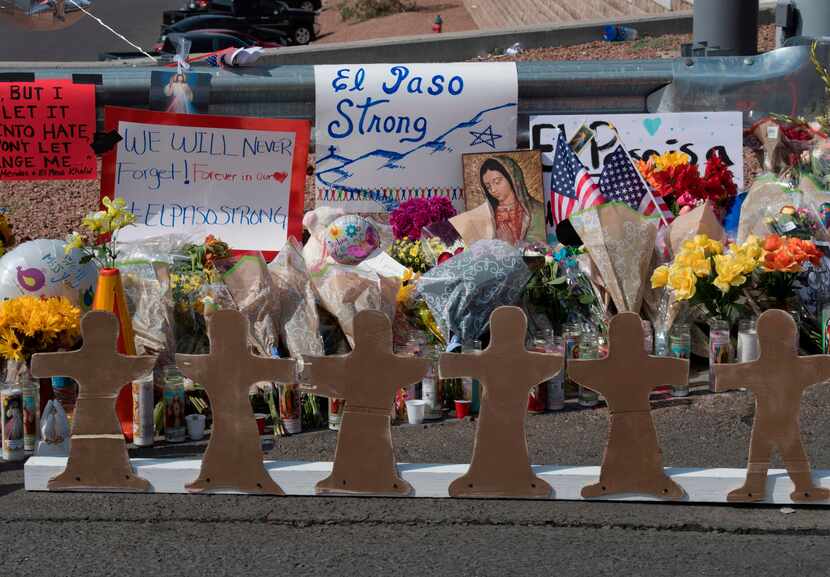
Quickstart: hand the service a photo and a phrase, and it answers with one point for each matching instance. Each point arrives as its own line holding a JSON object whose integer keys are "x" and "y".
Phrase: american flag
{"x": 620, "y": 181}
{"x": 571, "y": 187}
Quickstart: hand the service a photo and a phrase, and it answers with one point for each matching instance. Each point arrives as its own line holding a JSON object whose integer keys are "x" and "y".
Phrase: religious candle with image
{"x": 291, "y": 408}
{"x": 11, "y": 421}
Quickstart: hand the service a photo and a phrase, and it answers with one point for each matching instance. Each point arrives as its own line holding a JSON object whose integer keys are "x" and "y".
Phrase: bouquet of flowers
{"x": 673, "y": 177}
{"x": 797, "y": 222}
{"x": 102, "y": 228}
{"x": 30, "y": 325}
{"x": 562, "y": 292}
{"x": 413, "y": 215}
{"x": 415, "y": 309}
{"x": 410, "y": 254}
{"x": 784, "y": 259}
{"x": 706, "y": 277}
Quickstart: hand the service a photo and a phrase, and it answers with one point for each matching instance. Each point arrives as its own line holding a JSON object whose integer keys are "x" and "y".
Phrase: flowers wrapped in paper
{"x": 299, "y": 321}
{"x": 620, "y": 242}
{"x": 464, "y": 291}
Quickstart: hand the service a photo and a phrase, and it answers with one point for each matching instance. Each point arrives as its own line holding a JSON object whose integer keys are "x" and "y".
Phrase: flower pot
{"x": 109, "y": 296}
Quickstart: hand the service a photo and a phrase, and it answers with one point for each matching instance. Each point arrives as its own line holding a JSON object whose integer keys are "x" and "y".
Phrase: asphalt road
{"x": 138, "y": 20}
{"x": 99, "y": 534}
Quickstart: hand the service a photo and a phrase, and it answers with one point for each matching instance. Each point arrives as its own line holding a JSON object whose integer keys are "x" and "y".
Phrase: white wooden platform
{"x": 299, "y": 478}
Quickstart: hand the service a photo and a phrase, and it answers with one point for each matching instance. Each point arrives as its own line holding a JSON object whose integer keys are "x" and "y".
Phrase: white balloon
{"x": 40, "y": 268}
{"x": 42, "y": 15}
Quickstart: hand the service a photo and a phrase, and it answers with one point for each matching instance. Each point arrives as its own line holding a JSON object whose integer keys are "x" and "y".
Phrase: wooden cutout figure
{"x": 507, "y": 371}
{"x": 367, "y": 379}
{"x": 778, "y": 379}
{"x": 233, "y": 459}
{"x": 632, "y": 462}
{"x": 98, "y": 456}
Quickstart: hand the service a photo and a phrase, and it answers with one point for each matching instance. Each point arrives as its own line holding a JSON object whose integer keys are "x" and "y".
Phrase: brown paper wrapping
{"x": 620, "y": 241}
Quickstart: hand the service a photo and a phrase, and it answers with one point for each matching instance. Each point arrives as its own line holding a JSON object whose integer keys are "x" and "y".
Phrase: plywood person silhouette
{"x": 632, "y": 461}
{"x": 98, "y": 454}
{"x": 777, "y": 379}
{"x": 233, "y": 459}
{"x": 368, "y": 379}
{"x": 507, "y": 371}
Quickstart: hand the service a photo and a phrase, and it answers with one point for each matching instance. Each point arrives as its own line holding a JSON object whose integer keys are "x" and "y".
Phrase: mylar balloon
{"x": 351, "y": 239}
{"x": 40, "y": 268}
{"x": 42, "y": 15}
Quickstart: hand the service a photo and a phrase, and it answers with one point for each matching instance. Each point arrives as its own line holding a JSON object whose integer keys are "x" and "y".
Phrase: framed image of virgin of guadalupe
{"x": 504, "y": 197}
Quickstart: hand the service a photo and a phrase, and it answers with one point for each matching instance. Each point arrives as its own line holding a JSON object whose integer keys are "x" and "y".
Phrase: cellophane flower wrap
{"x": 462, "y": 292}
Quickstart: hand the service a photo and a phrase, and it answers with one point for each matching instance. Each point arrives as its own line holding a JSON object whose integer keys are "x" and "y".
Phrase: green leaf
{"x": 86, "y": 258}
{"x": 559, "y": 281}
{"x": 586, "y": 299}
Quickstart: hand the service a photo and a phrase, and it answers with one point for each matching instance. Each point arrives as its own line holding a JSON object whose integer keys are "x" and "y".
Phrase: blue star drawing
{"x": 486, "y": 137}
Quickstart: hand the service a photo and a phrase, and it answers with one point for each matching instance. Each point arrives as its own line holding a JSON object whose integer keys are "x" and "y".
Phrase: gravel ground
{"x": 419, "y": 21}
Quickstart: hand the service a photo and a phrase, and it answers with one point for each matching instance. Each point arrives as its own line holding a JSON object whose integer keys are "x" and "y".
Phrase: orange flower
{"x": 772, "y": 243}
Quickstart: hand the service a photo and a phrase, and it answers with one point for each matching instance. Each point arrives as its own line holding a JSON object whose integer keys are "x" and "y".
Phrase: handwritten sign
{"x": 387, "y": 133}
{"x": 45, "y": 130}
{"x": 241, "y": 179}
{"x": 697, "y": 134}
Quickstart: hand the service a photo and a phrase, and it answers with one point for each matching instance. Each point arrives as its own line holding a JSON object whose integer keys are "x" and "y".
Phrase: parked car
{"x": 203, "y": 41}
{"x": 300, "y": 26}
{"x": 228, "y": 5}
{"x": 225, "y": 22}
{"x": 250, "y": 39}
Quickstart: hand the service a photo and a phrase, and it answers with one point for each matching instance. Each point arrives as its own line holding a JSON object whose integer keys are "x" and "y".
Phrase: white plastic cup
{"x": 195, "y": 426}
{"x": 415, "y": 411}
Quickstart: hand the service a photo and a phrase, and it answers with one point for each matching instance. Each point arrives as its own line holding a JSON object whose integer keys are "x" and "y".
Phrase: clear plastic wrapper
{"x": 465, "y": 290}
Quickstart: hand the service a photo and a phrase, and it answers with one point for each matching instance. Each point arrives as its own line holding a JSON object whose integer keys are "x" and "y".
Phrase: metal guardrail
{"x": 783, "y": 81}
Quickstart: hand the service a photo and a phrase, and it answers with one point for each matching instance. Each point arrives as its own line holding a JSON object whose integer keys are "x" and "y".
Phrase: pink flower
{"x": 413, "y": 215}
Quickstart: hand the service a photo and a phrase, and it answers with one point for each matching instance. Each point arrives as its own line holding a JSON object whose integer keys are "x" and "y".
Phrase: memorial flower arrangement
{"x": 707, "y": 277}
{"x": 30, "y": 325}
{"x": 101, "y": 227}
{"x": 784, "y": 259}
{"x": 798, "y": 222}
{"x": 673, "y": 177}
{"x": 410, "y": 254}
{"x": 561, "y": 291}
{"x": 415, "y": 309}
{"x": 413, "y": 215}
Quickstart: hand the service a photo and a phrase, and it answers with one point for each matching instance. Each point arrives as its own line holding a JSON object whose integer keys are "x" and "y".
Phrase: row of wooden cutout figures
{"x": 369, "y": 376}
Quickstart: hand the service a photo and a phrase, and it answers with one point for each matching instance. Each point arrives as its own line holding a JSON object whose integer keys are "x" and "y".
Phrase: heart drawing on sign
{"x": 280, "y": 176}
{"x": 652, "y": 125}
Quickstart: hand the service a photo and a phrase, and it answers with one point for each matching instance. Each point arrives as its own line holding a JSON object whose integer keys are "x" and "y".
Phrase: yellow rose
{"x": 683, "y": 282}
{"x": 688, "y": 257}
{"x": 730, "y": 273}
{"x": 715, "y": 247}
{"x": 702, "y": 267}
{"x": 660, "y": 277}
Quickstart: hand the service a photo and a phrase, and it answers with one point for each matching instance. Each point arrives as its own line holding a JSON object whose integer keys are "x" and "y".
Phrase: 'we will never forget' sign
{"x": 240, "y": 179}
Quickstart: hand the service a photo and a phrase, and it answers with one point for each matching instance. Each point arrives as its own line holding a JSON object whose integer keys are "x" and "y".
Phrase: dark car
{"x": 225, "y": 22}
{"x": 228, "y": 5}
{"x": 251, "y": 40}
{"x": 300, "y": 26}
{"x": 203, "y": 42}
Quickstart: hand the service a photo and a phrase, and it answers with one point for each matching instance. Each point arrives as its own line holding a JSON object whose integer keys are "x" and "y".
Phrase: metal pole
{"x": 728, "y": 27}
{"x": 814, "y": 18}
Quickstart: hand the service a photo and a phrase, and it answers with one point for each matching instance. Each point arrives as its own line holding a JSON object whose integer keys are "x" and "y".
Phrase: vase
{"x": 109, "y": 296}
{"x": 720, "y": 347}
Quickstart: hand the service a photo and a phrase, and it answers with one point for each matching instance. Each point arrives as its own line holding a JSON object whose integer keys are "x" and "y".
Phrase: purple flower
{"x": 411, "y": 216}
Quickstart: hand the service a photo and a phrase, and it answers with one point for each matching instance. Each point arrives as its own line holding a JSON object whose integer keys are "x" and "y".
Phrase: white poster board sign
{"x": 388, "y": 133}
{"x": 696, "y": 133}
{"x": 240, "y": 179}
